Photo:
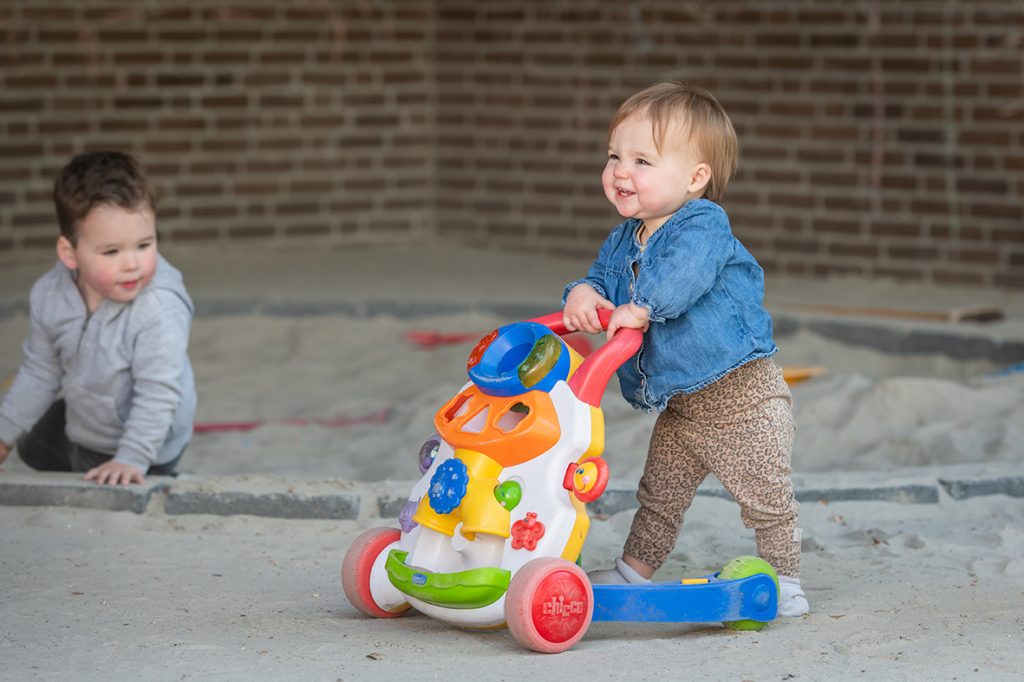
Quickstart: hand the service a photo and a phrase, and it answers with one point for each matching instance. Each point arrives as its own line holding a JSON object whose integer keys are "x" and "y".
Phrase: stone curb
{"x": 1011, "y": 486}
{"x": 67, "y": 491}
{"x": 278, "y": 497}
{"x": 279, "y": 505}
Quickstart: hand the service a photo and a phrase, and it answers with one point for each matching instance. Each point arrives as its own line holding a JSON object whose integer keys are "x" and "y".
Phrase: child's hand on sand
{"x": 628, "y": 316}
{"x": 580, "y": 312}
{"x": 114, "y": 473}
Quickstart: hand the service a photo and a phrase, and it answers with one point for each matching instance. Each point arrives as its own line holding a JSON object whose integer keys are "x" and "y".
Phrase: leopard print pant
{"x": 740, "y": 429}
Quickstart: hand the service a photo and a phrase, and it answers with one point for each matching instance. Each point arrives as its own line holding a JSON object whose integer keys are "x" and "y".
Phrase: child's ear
{"x": 700, "y": 178}
{"x": 66, "y": 253}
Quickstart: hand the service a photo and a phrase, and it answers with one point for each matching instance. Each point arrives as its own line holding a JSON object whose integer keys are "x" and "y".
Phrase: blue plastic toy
{"x": 745, "y": 601}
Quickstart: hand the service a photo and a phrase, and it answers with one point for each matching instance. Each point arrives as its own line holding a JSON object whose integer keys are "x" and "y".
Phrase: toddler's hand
{"x": 628, "y": 316}
{"x": 580, "y": 312}
{"x": 114, "y": 473}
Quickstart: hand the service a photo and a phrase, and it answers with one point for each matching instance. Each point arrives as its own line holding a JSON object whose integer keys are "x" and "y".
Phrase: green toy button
{"x": 508, "y": 494}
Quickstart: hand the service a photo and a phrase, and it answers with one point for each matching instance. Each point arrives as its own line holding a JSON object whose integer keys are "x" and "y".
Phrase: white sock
{"x": 792, "y": 600}
{"x": 622, "y": 574}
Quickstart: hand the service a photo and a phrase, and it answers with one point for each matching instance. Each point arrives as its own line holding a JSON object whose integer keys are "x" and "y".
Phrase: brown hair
{"x": 699, "y": 117}
{"x": 99, "y": 177}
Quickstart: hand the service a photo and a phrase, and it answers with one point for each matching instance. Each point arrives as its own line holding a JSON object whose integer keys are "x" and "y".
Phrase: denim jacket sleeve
{"x": 599, "y": 268}
{"x": 685, "y": 262}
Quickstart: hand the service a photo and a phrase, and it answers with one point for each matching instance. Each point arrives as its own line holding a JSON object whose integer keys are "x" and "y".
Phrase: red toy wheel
{"x": 549, "y": 605}
{"x": 357, "y": 566}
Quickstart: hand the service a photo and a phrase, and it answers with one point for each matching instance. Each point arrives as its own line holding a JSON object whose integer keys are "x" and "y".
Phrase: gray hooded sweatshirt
{"x": 123, "y": 370}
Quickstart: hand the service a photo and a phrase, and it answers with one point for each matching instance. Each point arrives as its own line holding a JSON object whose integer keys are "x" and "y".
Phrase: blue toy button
{"x": 448, "y": 486}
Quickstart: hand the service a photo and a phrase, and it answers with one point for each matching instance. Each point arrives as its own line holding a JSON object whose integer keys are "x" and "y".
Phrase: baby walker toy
{"x": 491, "y": 532}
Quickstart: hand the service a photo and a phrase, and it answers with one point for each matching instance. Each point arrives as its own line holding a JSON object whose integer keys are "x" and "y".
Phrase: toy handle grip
{"x": 590, "y": 380}
{"x": 554, "y": 322}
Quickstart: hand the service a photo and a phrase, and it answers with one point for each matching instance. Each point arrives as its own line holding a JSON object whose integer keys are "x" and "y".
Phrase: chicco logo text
{"x": 557, "y": 606}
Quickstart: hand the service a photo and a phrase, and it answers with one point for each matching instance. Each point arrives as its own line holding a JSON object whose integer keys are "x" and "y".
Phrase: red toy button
{"x": 526, "y": 532}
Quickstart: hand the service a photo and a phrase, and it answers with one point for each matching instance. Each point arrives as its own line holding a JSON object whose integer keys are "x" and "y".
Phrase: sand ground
{"x": 898, "y": 591}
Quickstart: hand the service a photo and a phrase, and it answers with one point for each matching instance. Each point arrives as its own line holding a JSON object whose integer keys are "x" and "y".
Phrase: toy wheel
{"x": 357, "y": 571}
{"x": 549, "y": 605}
{"x": 744, "y": 567}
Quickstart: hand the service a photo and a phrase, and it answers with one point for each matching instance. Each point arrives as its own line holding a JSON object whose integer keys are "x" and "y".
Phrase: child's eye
{"x": 110, "y": 252}
{"x": 642, "y": 162}
{"x": 145, "y": 245}
{"x": 613, "y": 157}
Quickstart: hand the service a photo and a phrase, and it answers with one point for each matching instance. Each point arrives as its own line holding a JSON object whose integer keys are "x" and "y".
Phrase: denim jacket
{"x": 704, "y": 293}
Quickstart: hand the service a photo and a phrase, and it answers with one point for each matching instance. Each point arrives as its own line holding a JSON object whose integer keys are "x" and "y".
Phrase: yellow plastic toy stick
{"x": 794, "y": 375}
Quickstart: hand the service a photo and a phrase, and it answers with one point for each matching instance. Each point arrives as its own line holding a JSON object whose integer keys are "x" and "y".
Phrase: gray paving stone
{"x": 960, "y": 489}
{"x": 614, "y": 501}
{"x": 280, "y": 497}
{"x": 265, "y": 496}
{"x": 390, "y": 506}
{"x": 903, "y": 494}
{"x": 69, "y": 490}
{"x": 279, "y": 505}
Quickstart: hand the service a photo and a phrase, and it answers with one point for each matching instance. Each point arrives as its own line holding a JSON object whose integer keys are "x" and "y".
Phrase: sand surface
{"x": 929, "y": 591}
{"x": 349, "y": 397}
{"x": 899, "y": 592}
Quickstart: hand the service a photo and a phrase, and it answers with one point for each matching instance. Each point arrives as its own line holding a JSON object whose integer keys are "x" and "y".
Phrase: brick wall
{"x": 261, "y": 120}
{"x": 877, "y": 138}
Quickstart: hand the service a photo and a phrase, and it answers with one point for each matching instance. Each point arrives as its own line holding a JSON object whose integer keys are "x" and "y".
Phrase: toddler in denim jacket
{"x": 674, "y": 270}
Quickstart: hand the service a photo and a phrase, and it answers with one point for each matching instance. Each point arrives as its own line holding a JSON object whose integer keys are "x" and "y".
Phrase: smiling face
{"x": 643, "y": 182}
{"x": 115, "y": 254}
